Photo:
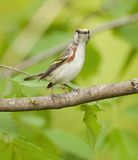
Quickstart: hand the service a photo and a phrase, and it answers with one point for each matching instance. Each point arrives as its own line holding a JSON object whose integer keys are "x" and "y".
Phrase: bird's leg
{"x": 71, "y": 88}
{"x": 53, "y": 96}
{"x": 64, "y": 88}
{"x": 51, "y": 85}
{"x": 52, "y": 90}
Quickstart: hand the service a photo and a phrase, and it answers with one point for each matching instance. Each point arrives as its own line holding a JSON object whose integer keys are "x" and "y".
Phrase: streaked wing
{"x": 64, "y": 56}
{"x": 56, "y": 64}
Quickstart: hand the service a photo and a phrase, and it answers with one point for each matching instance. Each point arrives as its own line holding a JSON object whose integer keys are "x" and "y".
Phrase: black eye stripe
{"x": 78, "y": 31}
{"x": 85, "y": 32}
{"x": 82, "y": 32}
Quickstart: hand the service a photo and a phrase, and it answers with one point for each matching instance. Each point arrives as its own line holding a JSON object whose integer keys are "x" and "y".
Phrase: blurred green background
{"x": 106, "y": 130}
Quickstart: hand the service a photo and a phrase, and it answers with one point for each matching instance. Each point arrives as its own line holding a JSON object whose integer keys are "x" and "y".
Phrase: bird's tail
{"x": 33, "y": 77}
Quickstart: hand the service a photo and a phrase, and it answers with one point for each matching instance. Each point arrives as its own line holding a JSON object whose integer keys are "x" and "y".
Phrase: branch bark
{"x": 70, "y": 99}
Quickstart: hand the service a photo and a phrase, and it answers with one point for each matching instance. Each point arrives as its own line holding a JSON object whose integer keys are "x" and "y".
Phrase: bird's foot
{"x": 76, "y": 90}
{"x": 63, "y": 87}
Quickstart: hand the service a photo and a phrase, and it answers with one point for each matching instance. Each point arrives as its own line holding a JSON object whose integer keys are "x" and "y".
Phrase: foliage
{"x": 90, "y": 120}
{"x": 105, "y": 130}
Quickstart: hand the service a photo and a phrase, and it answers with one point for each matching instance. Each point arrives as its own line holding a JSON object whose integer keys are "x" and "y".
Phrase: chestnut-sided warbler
{"x": 69, "y": 64}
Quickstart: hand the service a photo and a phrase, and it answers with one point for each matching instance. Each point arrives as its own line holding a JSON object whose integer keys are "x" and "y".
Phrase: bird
{"x": 69, "y": 64}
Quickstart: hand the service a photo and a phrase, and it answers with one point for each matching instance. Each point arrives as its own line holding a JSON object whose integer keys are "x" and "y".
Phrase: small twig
{"x": 14, "y": 69}
{"x": 116, "y": 23}
{"x": 70, "y": 99}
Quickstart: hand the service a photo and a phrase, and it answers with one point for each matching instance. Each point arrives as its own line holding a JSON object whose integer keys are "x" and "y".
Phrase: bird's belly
{"x": 66, "y": 72}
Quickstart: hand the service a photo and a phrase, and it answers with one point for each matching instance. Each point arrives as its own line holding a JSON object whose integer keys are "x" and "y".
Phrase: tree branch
{"x": 110, "y": 25}
{"x": 70, "y": 99}
{"x": 116, "y": 23}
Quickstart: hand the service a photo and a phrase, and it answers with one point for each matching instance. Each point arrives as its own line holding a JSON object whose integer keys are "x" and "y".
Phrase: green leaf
{"x": 5, "y": 87}
{"x": 29, "y": 150}
{"x": 33, "y": 120}
{"x": 7, "y": 127}
{"x": 129, "y": 34}
{"x": 20, "y": 149}
{"x": 5, "y": 151}
{"x": 121, "y": 144}
{"x": 132, "y": 111}
{"x": 90, "y": 120}
{"x": 69, "y": 143}
{"x": 120, "y": 7}
{"x": 128, "y": 61}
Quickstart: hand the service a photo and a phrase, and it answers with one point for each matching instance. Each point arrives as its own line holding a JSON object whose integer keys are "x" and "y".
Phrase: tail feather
{"x": 33, "y": 77}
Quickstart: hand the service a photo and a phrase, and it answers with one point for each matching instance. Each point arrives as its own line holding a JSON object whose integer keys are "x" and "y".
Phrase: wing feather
{"x": 60, "y": 60}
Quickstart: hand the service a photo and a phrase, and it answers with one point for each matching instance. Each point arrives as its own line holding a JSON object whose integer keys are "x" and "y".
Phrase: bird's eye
{"x": 77, "y": 31}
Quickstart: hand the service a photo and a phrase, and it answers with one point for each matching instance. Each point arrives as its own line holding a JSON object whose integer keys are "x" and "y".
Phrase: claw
{"x": 76, "y": 90}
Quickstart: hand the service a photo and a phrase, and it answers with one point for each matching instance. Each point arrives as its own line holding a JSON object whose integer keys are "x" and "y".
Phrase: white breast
{"x": 67, "y": 72}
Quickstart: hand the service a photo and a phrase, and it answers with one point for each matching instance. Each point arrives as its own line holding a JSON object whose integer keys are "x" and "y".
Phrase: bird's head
{"x": 82, "y": 35}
